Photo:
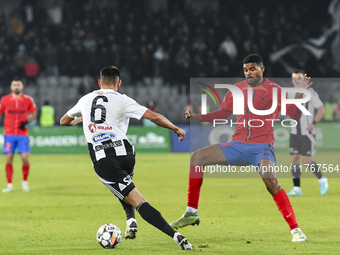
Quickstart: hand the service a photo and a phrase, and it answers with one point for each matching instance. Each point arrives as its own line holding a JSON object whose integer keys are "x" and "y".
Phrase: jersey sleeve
{"x": 133, "y": 109}
{"x": 227, "y": 103}
{"x": 278, "y": 108}
{"x": 2, "y": 105}
{"x": 316, "y": 99}
{"x": 75, "y": 111}
{"x": 32, "y": 107}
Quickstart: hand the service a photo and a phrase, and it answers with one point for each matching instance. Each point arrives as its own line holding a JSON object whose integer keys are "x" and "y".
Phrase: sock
{"x": 154, "y": 217}
{"x": 195, "y": 183}
{"x": 315, "y": 169}
{"x": 25, "y": 171}
{"x": 129, "y": 210}
{"x": 322, "y": 179}
{"x": 9, "y": 172}
{"x": 191, "y": 210}
{"x": 296, "y": 172}
{"x": 298, "y": 188}
{"x": 282, "y": 201}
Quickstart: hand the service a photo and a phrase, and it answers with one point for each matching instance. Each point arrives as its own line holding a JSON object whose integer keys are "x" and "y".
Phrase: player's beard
{"x": 17, "y": 92}
{"x": 253, "y": 81}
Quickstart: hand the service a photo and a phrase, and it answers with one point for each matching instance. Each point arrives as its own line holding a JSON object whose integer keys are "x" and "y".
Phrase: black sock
{"x": 129, "y": 210}
{"x": 315, "y": 169}
{"x": 296, "y": 172}
{"x": 154, "y": 217}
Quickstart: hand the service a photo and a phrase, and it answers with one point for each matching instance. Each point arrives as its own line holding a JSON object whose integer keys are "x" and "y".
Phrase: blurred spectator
{"x": 337, "y": 111}
{"x": 20, "y": 59}
{"x": 174, "y": 42}
{"x": 151, "y": 105}
{"x": 66, "y": 60}
{"x": 158, "y": 56}
{"x": 47, "y": 115}
{"x": 31, "y": 70}
{"x": 51, "y": 60}
{"x": 89, "y": 42}
{"x": 229, "y": 48}
{"x": 17, "y": 24}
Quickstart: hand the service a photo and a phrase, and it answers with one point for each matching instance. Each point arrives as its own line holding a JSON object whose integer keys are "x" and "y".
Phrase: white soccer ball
{"x": 109, "y": 236}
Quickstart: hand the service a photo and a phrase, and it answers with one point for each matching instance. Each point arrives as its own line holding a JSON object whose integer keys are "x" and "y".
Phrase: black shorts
{"x": 116, "y": 173}
{"x": 302, "y": 144}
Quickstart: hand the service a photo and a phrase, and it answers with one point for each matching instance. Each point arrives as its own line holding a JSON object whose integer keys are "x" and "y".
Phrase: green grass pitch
{"x": 67, "y": 204}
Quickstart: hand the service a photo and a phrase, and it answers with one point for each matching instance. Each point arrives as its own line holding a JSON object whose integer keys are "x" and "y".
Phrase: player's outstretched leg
{"x": 131, "y": 223}
{"x": 9, "y": 175}
{"x": 154, "y": 217}
{"x": 191, "y": 217}
{"x": 281, "y": 199}
{"x": 208, "y": 155}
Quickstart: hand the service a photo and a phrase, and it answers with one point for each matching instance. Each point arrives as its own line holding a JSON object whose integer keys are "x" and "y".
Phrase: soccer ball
{"x": 109, "y": 236}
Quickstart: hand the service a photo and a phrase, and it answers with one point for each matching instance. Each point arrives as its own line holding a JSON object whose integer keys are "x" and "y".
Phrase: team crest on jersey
{"x": 92, "y": 128}
{"x": 102, "y": 137}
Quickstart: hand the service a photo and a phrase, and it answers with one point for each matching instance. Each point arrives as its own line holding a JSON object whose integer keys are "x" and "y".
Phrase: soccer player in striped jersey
{"x": 302, "y": 138}
{"x": 19, "y": 110}
{"x": 249, "y": 145}
{"x": 105, "y": 115}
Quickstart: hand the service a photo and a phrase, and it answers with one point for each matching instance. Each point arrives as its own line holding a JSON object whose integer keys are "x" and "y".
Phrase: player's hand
{"x": 304, "y": 83}
{"x": 77, "y": 121}
{"x": 310, "y": 127}
{"x": 23, "y": 125}
{"x": 180, "y": 133}
{"x": 190, "y": 115}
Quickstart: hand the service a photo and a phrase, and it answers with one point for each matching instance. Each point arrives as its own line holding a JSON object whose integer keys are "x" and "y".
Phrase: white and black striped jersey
{"x": 312, "y": 105}
{"x": 106, "y": 116}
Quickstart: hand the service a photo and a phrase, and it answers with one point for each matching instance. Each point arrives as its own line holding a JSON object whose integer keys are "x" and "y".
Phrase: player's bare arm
{"x": 68, "y": 121}
{"x": 161, "y": 121}
{"x": 31, "y": 117}
{"x": 317, "y": 118}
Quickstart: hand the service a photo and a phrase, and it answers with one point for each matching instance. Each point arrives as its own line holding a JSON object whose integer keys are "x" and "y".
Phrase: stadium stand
{"x": 157, "y": 49}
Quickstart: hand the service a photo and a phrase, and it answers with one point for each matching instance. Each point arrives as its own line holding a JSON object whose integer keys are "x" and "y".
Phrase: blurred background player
{"x": 302, "y": 139}
{"x": 19, "y": 110}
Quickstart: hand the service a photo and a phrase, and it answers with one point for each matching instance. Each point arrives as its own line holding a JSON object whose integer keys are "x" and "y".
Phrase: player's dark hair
{"x": 16, "y": 79}
{"x": 299, "y": 71}
{"x": 253, "y": 58}
{"x": 109, "y": 75}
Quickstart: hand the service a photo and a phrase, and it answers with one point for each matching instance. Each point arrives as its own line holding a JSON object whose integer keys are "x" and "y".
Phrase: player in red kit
{"x": 251, "y": 144}
{"x": 19, "y": 110}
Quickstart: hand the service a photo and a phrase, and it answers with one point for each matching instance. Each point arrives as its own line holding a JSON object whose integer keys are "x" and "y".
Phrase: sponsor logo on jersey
{"x": 16, "y": 112}
{"x": 92, "y": 128}
{"x": 100, "y": 93}
{"x": 104, "y": 128}
{"x": 108, "y": 145}
{"x": 102, "y": 137}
